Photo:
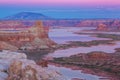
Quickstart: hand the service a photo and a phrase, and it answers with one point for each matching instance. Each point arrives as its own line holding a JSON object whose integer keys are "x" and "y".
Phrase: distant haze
{"x": 63, "y": 8}
{"x": 62, "y": 2}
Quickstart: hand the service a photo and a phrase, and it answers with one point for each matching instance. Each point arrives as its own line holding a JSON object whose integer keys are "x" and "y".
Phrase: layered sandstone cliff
{"x": 111, "y": 24}
{"x": 35, "y": 37}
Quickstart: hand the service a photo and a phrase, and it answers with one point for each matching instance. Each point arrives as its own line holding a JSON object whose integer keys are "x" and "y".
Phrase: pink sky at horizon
{"x": 63, "y": 8}
{"x": 61, "y": 2}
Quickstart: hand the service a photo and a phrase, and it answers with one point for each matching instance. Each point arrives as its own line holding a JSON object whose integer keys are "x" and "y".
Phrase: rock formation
{"x": 5, "y": 45}
{"x": 35, "y": 37}
{"x": 108, "y": 62}
{"x": 102, "y": 27}
{"x": 97, "y": 55}
{"x": 43, "y": 63}
{"x": 16, "y": 66}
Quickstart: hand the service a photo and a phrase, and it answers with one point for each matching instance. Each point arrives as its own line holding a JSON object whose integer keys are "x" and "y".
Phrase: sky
{"x": 63, "y": 8}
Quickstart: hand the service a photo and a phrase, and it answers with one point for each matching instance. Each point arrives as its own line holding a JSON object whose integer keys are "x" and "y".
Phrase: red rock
{"x": 43, "y": 63}
{"x": 98, "y": 55}
{"x": 34, "y": 37}
{"x": 102, "y": 27}
{"x": 15, "y": 71}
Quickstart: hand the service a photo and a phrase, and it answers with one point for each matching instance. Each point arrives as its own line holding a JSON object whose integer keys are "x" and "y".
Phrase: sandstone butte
{"x": 35, "y": 37}
{"x": 16, "y": 66}
{"x": 102, "y": 27}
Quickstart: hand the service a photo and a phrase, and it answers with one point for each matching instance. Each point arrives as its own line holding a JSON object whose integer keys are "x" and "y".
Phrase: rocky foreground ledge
{"x": 16, "y": 66}
{"x": 99, "y": 62}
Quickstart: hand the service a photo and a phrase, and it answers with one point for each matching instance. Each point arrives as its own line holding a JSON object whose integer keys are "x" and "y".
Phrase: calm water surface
{"x": 70, "y": 74}
{"x": 62, "y": 36}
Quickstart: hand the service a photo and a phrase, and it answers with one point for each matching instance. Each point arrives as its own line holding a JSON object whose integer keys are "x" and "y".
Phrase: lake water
{"x": 63, "y": 35}
{"x": 66, "y": 34}
{"x": 69, "y": 73}
{"x": 73, "y": 51}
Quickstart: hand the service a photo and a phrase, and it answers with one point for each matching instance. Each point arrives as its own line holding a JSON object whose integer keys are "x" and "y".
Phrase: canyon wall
{"x": 83, "y": 23}
{"x": 111, "y": 24}
{"x": 64, "y": 23}
{"x": 35, "y": 37}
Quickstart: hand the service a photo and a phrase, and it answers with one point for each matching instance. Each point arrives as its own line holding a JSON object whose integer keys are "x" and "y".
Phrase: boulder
{"x": 16, "y": 66}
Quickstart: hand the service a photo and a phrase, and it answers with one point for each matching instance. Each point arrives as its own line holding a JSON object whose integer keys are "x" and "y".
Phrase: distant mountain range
{"x": 27, "y": 16}
{"x": 39, "y": 16}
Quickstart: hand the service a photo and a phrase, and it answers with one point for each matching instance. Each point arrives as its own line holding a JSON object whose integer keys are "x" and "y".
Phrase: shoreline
{"x": 99, "y": 63}
{"x": 104, "y": 75}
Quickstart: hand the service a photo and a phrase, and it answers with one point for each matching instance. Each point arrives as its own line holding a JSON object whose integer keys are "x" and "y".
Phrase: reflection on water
{"x": 63, "y": 35}
{"x": 69, "y": 73}
{"x": 73, "y": 51}
{"x": 66, "y": 34}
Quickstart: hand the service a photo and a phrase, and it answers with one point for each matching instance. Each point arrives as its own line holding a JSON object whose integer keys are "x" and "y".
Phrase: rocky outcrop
{"x": 102, "y": 27}
{"x": 15, "y": 66}
{"x": 64, "y": 23}
{"x": 90, "y": 23}
{"x": 43, "y": 63}
{"x": 98, "y": 56}
{"x": 35, "y": 37}
{"x": 7, "y": 46}
{"x": 108, "y": 62}
{"x": 111, "y": 24}
{"x": 10, "y": 25}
